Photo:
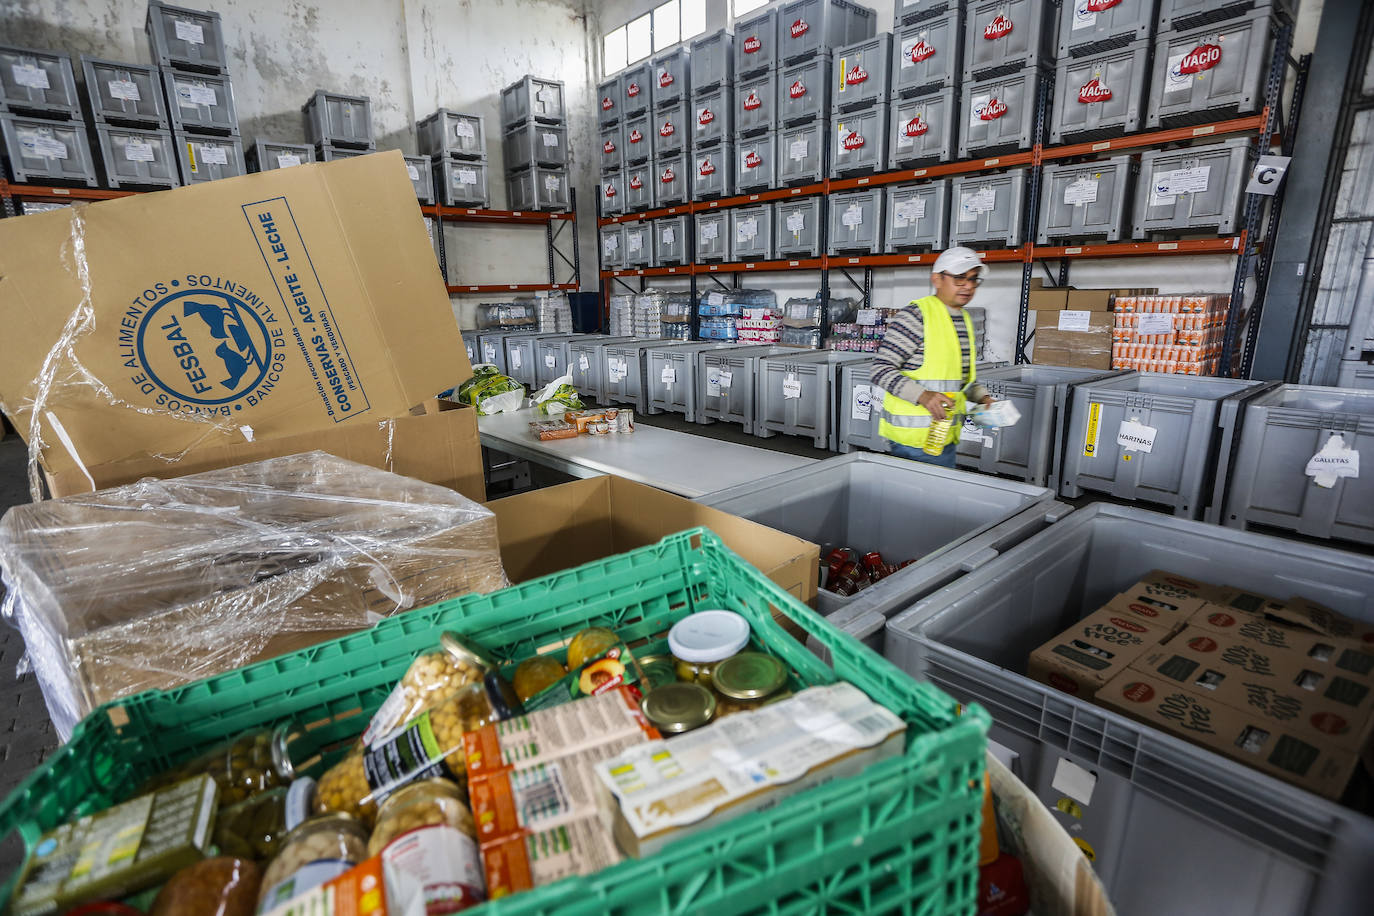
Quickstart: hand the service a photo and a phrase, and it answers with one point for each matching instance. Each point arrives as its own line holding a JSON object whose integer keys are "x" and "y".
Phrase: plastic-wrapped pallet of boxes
{"x": 1175, "y": 334}
{"x": 648, "y": 314}
{"x": 722, "y": 312}
{"x": 511, "y": 316}
{"x": 864, "y": 333}
{"x": 761, "y": 325}
{"x": 801, "y": 320}
{"x": 622, "y": 321}
{"x": 677, "y": 316}
{"x": 161, "y": 582}
{"x": 555, "y": 315}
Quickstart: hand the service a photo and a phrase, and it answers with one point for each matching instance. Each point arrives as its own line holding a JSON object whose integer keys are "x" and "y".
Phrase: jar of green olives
{"x": 250, "y": 764}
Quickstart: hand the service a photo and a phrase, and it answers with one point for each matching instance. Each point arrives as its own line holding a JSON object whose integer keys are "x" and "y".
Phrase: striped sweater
{"x": 903, "y": 348}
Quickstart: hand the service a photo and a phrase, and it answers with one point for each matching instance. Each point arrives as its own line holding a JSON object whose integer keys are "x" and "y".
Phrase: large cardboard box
{"x": 292, "y": 303}
{"x": 1166, "y": 611}
{"x": 555, "y": 528}
{"x": 1085, "y": 349}
{"x": 1049, "y": 298}
{"x": 1334, "y": 654}
{"x": 1080, "y": 660}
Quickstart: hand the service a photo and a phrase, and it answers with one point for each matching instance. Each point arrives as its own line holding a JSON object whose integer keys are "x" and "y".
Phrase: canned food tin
{"x": 625, "y": 421}
{"x": 599, "y": 428}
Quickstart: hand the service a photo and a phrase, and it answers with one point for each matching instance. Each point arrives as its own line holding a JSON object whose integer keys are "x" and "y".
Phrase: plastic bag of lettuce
{"x": 491, "y": 392}
{"x": 558, "y": 397}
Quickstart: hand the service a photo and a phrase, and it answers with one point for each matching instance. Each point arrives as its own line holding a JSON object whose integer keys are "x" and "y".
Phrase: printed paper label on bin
{"x": 516, "y": 360}
{"x": 634, "y": 240}
{"x": 138, "y": 151}
{"x": 214, "y": 155}
{"x": 30, "y": 76}
{"x": 413, "y": 172}
{"x": 195, "y": 96}
{"x": 583, "y": 363}
{"x": 1154, "y": 323}
{"x": 798, "y": 150}
{"x": 868, "y": 317}
{"x": 1081, "y": 191}
{"x": 712, "y": 381}
{"x": 33, "y": 144}
{"x": 971, "y": 203}
{"x": 1135, "y": 436}
{"x": 853, "y": 216}
{"x": 552, "y": 183}
{"x": 710, "y": 232}
{"x": 550, "y": 140}
{"x": 791, "y": 387}
{"x": 669, "y": 375}
{"x": 489, "y": 353}
{"x": 467, "y": 176}
{"x": 748, "y": 229}
{"x": 1073, "y": 320}
{"x": 1093, "y": 429}
{"x": 189, "y": 32}
{"x": 287, "y": 160}
{"x": 726, "y": 377}
{"x": 124, "y": 89}
{"x": 908, "y": 211}
{"x": 1168, "y": 185}
{"x": 464, "y": 130}
{"x": 669, "y": 235}
{"x": 1334, "y": 461}
{"x": 861, "y": 403}
{"x": 549, "y": 361}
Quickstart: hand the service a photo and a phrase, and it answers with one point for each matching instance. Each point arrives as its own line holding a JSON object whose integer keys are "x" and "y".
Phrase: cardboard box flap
{"x": 278, "y": 303}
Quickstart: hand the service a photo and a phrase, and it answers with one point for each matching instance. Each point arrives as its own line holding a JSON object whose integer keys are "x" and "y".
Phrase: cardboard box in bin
{"x": 285, "y": 303}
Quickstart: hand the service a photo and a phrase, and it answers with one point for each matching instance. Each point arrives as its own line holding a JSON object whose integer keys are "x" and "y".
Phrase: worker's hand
{"x": 987, "y": 400}
{"x": 937, "y": 402}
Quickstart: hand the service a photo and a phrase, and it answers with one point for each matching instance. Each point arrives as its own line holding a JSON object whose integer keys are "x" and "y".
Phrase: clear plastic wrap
{"x": 801, "y": 337}
{"x": 162, "y": 582}
{"x": 555, "y": 314}
{"x": 622, "y": 319}
{"x": 511, "y": 315}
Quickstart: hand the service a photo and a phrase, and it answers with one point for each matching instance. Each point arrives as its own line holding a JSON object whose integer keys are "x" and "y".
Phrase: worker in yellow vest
{"x": 927, "y": 363}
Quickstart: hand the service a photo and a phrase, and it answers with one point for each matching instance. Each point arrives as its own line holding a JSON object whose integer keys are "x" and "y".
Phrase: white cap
{"x": 958, "y": 261}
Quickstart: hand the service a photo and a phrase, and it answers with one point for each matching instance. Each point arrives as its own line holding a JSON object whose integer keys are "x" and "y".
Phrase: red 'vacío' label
{"x": 665, "y": 79}
{"x": 752, "y": 101}
{"x": 752, "y": 160}
{"x": 607, "y": 104}
{"x": 853, "y": 141}
{"x": 992, "y": 110}
{"x": 1094, "y": 91}
{"x": 1203, "y": 57}
{"x": 1101, "y": 6}
{"x": 922, "y": 50}
{"x": 797, "y": 89}
{"x": 667, "y": 130}
{"x": 705, "y": 116}
{"x": 669, "y": 176}
{"x": 752, "y": 44}
{"x": 800, "y": 28}
{"x": 856, "y": 74}
{"x": 636, "y": 136}
{"x": 707, "y": 167}
{"x": 632, "y": 90}
{"x": 998, "y": 27}
{"x": 916, "y": 126}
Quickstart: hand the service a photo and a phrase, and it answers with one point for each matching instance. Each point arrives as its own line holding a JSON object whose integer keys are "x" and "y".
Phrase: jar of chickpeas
{"x": 430, "y": 680}
{"x": 428, "y": 842}
{"x": 317, "y": 851}
{"x": 431, "y": 745}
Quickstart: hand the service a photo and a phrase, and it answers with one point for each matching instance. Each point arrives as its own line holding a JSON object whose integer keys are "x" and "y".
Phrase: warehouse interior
{"x": 1109, "y": 609}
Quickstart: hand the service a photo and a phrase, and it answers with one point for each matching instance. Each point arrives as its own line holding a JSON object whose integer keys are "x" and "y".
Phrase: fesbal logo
{"x": 202, "y": 343}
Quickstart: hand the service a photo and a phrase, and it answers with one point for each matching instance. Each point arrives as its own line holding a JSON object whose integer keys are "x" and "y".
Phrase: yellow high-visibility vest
{"x": 941, "y": 370}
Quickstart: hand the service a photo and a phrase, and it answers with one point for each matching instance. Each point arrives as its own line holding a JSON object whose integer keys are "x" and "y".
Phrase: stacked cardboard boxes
{"x": 1074, "y": 327}
{"x": 1174, "y": 334}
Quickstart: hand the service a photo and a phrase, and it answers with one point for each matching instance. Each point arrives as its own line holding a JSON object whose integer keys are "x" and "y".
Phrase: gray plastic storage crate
{"x": 1088, "y": 30}
{"x": 1086, "y": 200}
{"x": 137, "y": 158}
{"x": 922, "y": 129}
{"x": 265, "y": 155}
{"x": 940, "y": 518}
{"x": 796, "y": 393}
{"x": 201, "y": 102}
{"x": 713, "y": 171}
{"x": 457, "y": 183}
{"x": 120, "y": 93}
{"x": 609, "y": 104}
{"x": 756, "y": 43}
{"x": 804, "y": 91}
{"x": 713, "y": 61}
{"x": 43, "y": 151}
{"x": 421, "y": 175}
{"x": 452, "y": 133}
{"x": 1003, "y": 36}
{"x": 585, "y": 362}
{"x": 612, "y": 191}
{"x": 999, "y": 114}
{"x": 1356, "y": 374}
{"x": 185, "y": 39}
{"x": 798, "y": 227}
{"x": 639, "y": 138}
{"x": 713, "y": 116}
{"x": 712, "y": 235}
{"x": 539, "y": 188}
{"x": 1029, "y": 450}
{"x": 856, "y": 222}
{"x": 1100, "y": 95}
{"x": 672, "y": 76}
{"x": 751, "y": 233}
{"x": 862, "y": 73}
{"x": 908, "y": 11}
{"x": 612, "y": 247}
{"x": 532, "y": 98}
{"x": 756, "y": 163}
{"x": 1195, "y": 419}
{"x": 926, "y": 55}
{"x": 639, "y": 245}
{"x": 672, "y": 180}
{"x": 551, "y": 358}
{"x": 208, "y": 158}
{"x": 623, "y": 367}
{"x": 639, "y": 183}
{"x": 1210, "y": 73}
{"x": 671, "y": 376}
{"x": 328, "y": 152}
{"x": 725, "y": 384}
{"x": 523, "y": 357}
{"x": 470, "y": 345}
{"x": 1189, "y": 14}
{"x": 672, "y": 129}
{"x": 916, "y": 217}
{"x": 1170, "y": 195}
{"x": 858, "y": 141}
{"x": 858, "y": 407}
{"x": 1283, "y": 430}
{"x": 1175, "y": 828}
{"x": 492, "y": 344}
{"x": 530, "y": 144}
{"x": 988, "y": 208}
{"x": 802, "y": 153}
{"x": 672, "y": 238}
{"x": 636, "y": 90}
{"x": 38, "y": 82}
{"x": 756, "y": 104}
{"x": 810, "y": 27}
{"x": 612, "y": 147}
{"x": 341, "y": 120}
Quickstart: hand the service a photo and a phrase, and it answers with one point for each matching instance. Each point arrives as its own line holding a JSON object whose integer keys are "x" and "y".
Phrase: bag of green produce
{"x": 558, "y": 397}
{"x": 491, "y": 392}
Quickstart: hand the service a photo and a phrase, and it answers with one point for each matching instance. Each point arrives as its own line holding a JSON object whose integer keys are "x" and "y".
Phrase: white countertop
{"x": 680, "y": 463}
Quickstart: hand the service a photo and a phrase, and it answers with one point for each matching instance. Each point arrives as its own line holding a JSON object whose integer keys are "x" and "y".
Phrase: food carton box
{"x": 1091, "y": 652}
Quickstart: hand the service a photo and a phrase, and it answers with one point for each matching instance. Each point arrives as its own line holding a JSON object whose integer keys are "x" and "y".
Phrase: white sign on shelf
{"x": 1154, "y": 323}
{"x": 1334, "y": 461}
{"x": 190, "y": 32}
{"x": 1081, "y": 191}
{"x": 1075, "y": 320}
{"x": 30, "y": 76}
{"x": 287, "y": 160}
{"x": 124, "y": 89}
{"x": 1135, "y": 436}
{"x": 861, "y": 403}
{"x": 137, "y": 151}
{"x": 791, "y": 387}
{"x": 1268, "y": 175}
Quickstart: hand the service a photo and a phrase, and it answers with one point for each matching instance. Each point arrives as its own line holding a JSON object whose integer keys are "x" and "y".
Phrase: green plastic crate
{"x": 903, "y": 835}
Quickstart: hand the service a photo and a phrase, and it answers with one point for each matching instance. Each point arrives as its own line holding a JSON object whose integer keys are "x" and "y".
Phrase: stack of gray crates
{"x": 1008, "y": 47}
{"x": 859, "y": 105}
{"x": 754, "y": 101}
{"x": 1210, "y": 60}
{"x": 671, "y": 125}
{"x": 711, "y": 111}
{"x": 611, "y": 122}
{"x": 535, "y": 145}
{"x": 455, "y": 143}
{"x": 188, "y": 45}
{"x": 265, "y": 155}
{"x": 339, "y": 126}
{"x": 1103, "y": 73}
{"x": 44, "y": 138}
{"x": 132, "y": 128}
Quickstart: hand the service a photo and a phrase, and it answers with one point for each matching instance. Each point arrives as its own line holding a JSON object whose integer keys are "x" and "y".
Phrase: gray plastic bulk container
{"x": 712, "y": 234}
{"x": 1003, "y": 36}
{"x": 342, "y": 120}
{"x": 585, "y": 362}
{"x": 539, "y": 188}
{"x": 926, "y": 55}
{"x": 751, "y": 233}
{"x": 201, "y": 102}
{"x": 756, "y": 101}
{"x": 265, "y": 155}
{"x": 43, "y": 151}
{"x": 120, "y": 93}
{"x": 38, "y": 82}
{"x": 624, "y": 368}
{"x": 137, "y": 158}
{"x": 1356, "y": 374}
{"x": 810, "y": 27}
{"x": 922, "y": 129}
{"x": 802, "y": 153}
{"x": 639, "y": 138}
{"x": 796, "y": 394}
{"x": 804, "y": 91}
{"x": 672, "y": 180}
{"x": 639, "y": 245}
{"x": 671, "y": 377}
{"x": 858, "y": 141}
{"x": 1086, "y": 29}
{"x": 755, "y": 163}
{"x": 713, "y": 171}
{"x": 492, "y": 344}
{"x": 999, "y": 114}
{"x": 861, "y": 76}
{"x": 636, "y": 90}
{"x": 186, "y": 39}
{"x": 552, "y": 358}
{"x": 1100, "y": 95}
{"x": 797, "y": 227}
{"x": 328, "y": 152}
{"x": 612, "y": 147}
{"x": 726, "y": 384}
{"x": 917, "y": 217}
{"x": 672, "y": 126}
{"x": 859, "y": 406}
{"x": 420, "y": 169}
{"x": 523, "y": 357}
{"x": 532, "y": 144}
{"x": 713, "y": 116}
{"x": 609, "y": 102}
{"x": 1210, "y": 73}
{"x": 1190, "y": 14}
{"x": 713, "y": 61}
{"x": 612, "y": 247}
{"x": 458, "y": 183}
{"x": 1282, "y": 433}
{"x": 532, "y": 97}
{"x": 672, "y": 240}
{"x": 208, "y": 158}
{"x": 638, "y": 186}
{"x": 451, "y": 133}
{"x": 1187, "y": 189}
{"x": 672, "y": 76}
{"x": 988, "y": 208}
{"x": 756, "y": 43}
{"x": 1086, "y": 200}
{"x": 909, "y": 11}
{"x": 856, "y": 222}
{"x": 469, "y": 337}
{"x": 612, "y": 194}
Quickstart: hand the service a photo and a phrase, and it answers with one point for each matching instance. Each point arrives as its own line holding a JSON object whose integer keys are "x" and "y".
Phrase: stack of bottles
{"x": 725, "y": 314}
{"x": 555, "y": 314}
{"x": 801, "y": 320}
{"x": 863, "y": 334}
{"x": 1181, "y": 335}
{"x": 677, "y": 317}
{"x": 513, "y": 316}
{"x": 760, "y": 326}
{"x": 622, "y": 321}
